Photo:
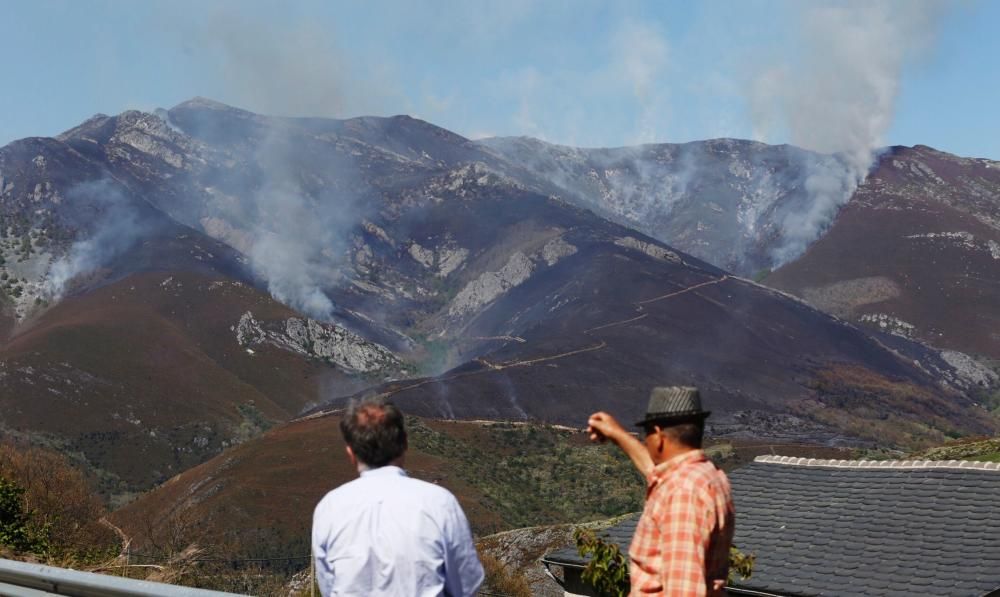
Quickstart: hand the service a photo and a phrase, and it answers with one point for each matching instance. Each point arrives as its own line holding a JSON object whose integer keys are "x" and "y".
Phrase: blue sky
{"x": 821, "y": 74}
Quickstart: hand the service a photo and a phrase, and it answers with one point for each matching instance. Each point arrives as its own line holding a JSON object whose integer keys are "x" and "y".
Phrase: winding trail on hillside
{"x": 639, "y": 305}
{"x": 528, "y": 362}
{"x": 501, "y": 338}
{"x": 684, "y": 291}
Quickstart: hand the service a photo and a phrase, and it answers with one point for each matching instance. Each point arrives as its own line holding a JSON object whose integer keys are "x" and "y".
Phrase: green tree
{"x": 16, "y": 528}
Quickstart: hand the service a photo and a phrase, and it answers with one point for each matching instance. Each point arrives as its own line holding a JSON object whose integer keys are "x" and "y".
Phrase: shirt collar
{"x": 667, "y": 467}
{"x": 384, "y": 471}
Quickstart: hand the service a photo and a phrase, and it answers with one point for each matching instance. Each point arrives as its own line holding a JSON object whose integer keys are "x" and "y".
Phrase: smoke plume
{"x": 287, "y": 69}
{"x": 836, "y": 95}
{"x": 299, "y": 236}
{"x": 294, "y": 231}
{"x": 115, "y": 228}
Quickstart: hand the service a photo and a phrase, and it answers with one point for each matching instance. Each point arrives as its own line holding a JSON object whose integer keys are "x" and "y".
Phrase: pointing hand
{"x": 602, "y": 426}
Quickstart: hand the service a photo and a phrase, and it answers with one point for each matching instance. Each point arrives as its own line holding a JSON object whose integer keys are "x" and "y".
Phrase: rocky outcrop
{"x": 424, "y": 257}
{"x": 312, "y": 338}
{"x": 374, "y": 230}
{"x": 969, "y": 373}
{"x": 556, "y": 249}
{"x": 490, "y": 285}
{"x": 445, "y": 258}
{"x": 888, "y": 323}
{"x": 249, "y": 331}
{"x": 141, "y": 132}
{"x": 450, "y": 259}
{"x": 654, "y": 251}
{"x": 463, "y": 181}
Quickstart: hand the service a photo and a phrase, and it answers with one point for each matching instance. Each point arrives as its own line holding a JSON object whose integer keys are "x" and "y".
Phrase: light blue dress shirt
{"x": 387, "y": 534}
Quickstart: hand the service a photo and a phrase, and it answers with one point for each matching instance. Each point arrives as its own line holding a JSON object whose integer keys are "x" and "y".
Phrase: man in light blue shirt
{"x": 385, "y": 533}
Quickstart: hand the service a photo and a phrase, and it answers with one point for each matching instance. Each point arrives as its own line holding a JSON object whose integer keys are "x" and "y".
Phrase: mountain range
{"x": 177, "y": 282}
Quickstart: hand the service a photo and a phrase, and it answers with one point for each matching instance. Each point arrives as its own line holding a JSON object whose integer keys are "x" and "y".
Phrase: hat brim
{"x": 674, "y": 418}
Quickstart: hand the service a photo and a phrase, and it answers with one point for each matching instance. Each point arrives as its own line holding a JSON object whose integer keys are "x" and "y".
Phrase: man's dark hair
{"x": 374, "y": 430}
{"x": 689, "y": 432}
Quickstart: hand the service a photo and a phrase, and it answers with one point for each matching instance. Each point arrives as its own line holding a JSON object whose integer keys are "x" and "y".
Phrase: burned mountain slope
{"x": 620, "y": 314}
{"x": 916, "y": 253}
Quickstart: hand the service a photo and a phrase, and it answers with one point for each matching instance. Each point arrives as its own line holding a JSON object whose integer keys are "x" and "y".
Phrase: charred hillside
{"x": 916, "y": 253}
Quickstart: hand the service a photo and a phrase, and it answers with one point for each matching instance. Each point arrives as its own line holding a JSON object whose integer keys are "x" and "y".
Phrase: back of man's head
{"x": 374, "y": 431}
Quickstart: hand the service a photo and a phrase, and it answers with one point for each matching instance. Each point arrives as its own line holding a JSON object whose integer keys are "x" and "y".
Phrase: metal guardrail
{"x": 20, "y": 579}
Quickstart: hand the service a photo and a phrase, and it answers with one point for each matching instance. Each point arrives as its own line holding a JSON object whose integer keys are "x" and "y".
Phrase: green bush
{"x": 607, "y": 569}
{"x": 16, "y": 528}
{"x": 48, "y": 508}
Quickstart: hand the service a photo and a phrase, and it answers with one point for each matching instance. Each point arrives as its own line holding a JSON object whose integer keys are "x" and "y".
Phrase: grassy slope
{"x": 987, "y": 450}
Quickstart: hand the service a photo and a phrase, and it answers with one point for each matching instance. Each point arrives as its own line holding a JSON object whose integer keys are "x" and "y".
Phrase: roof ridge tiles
{"x": 880, "y": 464}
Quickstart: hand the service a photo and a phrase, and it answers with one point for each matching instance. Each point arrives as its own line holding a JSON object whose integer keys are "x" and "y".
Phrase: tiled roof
{"x": 881, "y": 464}
{"x": 832, "y": 527}
{"x": 836, "y": 527}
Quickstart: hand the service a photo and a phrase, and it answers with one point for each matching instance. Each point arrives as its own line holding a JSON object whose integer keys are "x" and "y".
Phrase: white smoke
{"x": 116, "y": 227}
{"x": 297, "y": 246}
{"x": 836, "y": 94}
{"x": 287, "y": 69}
{"x": 297, "y": 230}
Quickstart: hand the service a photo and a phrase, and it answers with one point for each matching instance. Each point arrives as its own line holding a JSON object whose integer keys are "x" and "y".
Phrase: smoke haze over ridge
{"x": 835, "y": 93}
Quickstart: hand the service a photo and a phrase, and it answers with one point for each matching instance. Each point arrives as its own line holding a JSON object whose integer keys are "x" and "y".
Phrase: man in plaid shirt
{"x": 681, "y": 543}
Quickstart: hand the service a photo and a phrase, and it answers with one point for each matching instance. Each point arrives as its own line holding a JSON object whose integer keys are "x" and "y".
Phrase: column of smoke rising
{"x": 117, "y": 227}
{"x": 298, "y": 238}
{"x": 838, "y": 98}
{"x": 296, "y": 247}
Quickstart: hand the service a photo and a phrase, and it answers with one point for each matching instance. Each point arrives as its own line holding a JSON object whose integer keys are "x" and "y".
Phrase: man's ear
{"x": 660, "y": 439}
{"x": 351, "y": 456}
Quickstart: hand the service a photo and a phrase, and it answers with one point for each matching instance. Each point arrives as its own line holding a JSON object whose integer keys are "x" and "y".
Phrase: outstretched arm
{"x": 603, "y": 426}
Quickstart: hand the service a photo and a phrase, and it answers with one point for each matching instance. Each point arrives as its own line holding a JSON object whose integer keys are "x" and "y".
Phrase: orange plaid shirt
{"x": 681, "y": 542}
